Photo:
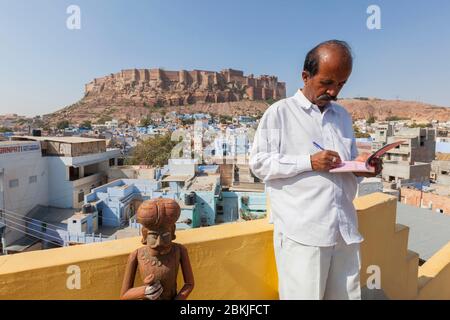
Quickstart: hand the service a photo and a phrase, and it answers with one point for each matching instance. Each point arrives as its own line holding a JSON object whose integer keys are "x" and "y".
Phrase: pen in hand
{"x": 318, "y": 146}
{"x": 324, "y": 160}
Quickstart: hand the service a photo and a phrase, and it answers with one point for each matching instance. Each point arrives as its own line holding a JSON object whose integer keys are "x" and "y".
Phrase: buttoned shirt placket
{"x": 329, "y": 144}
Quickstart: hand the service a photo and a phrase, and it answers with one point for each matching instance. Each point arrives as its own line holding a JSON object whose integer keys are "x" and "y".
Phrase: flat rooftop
{"x": 22, "y": 243}
{"x": 404, "y": 136}
{"x": 248, "y": 187}
{"x": 13, "y": 143}
{"x": 57, "y": 139}
{"x": 203, "y": 182}
{"x": 176, "y": 178}
{"x": 429, "y": 231}
{"x": 51, "y": 214}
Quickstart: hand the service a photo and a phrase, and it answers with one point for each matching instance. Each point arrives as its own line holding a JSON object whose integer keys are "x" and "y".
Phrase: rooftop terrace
{"x": 57, "y": 139}
{"x": 230, "y": 261}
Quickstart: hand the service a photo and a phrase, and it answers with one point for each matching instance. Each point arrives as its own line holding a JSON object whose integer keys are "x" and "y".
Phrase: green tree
{"x": 153, "y": 151}
{"x": 225, "y": 119}
{"x": 187, "y": 121}
{"x": 61, "y": 125}
{"x": 359, "y": 134}
{"x": 5, "y": 129}
{"x": 371, "y": 119}
{"x": 258, "y": 115}
{"x": 271, "y": 101}
{"x": 395, "y": 118}
{"x": 420, "y": 125}
{"x": 103, "y": 119}
{"x": 158, "y": 104}
{"x": 86, "y": 125}
{"x": 145, "y": 122}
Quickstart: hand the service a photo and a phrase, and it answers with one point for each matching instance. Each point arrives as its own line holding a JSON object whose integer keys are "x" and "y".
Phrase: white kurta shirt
{"x": 310, "y": 207}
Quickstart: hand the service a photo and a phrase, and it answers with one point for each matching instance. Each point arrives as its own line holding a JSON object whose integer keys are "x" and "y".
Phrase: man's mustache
{"x": 327, "y": 97}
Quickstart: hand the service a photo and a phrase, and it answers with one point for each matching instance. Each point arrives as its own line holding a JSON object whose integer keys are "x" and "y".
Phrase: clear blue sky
{"x": 44, "y": 65}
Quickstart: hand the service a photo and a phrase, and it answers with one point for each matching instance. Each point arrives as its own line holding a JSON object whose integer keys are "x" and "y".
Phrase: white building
{"x": 113, "y": 124}
{"x": 23, "y": 184}
{"x": 48, "y": 171}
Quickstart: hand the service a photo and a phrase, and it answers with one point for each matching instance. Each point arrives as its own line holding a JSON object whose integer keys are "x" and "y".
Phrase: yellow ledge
{"x": 230, "y": 261}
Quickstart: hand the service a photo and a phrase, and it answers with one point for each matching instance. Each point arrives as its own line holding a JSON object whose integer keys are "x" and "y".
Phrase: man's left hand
{"x": 376, "y": 162}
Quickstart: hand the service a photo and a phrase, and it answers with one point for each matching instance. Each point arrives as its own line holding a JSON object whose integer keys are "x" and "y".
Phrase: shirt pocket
{"x": 344, "y": 148}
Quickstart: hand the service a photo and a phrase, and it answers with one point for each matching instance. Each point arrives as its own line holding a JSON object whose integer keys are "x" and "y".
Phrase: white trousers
{"x": 316, "y": 273}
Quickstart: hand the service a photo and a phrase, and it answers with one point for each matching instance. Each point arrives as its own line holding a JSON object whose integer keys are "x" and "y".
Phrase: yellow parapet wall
{"x": 434, "y": 276}
{"x": 385, "y": 246}
{"x": 230, "y": 261}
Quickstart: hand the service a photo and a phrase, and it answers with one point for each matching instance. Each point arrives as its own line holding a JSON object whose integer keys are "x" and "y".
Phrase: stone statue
{"x": 159, "y": 259}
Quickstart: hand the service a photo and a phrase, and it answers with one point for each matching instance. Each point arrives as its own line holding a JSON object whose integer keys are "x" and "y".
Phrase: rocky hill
{"x": 132, "y": 94}
{"x": 136, "y": 93}
{"x": 381, "y": 109}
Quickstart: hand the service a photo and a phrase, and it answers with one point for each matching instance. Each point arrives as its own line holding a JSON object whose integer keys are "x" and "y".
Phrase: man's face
{"x": 328, "y": 82}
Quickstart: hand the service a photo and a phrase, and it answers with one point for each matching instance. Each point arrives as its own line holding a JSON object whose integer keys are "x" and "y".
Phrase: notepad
{"x": 359, "y": 166}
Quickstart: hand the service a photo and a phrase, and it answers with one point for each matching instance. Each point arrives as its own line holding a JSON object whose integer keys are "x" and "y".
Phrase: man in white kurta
{"x": 316, "y": 238}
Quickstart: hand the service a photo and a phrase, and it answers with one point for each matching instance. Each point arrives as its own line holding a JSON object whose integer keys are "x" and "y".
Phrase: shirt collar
{"x": 306, "y": 104}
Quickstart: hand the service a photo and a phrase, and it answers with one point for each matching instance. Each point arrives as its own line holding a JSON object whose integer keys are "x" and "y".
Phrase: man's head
{"x": 325, "y": 71}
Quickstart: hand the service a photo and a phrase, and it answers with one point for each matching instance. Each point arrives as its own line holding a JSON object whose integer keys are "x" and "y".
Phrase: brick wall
{"x": 415, "y": 197}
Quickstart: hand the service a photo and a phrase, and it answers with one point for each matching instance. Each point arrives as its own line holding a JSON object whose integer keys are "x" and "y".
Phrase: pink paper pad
{"x": 353, "y": 166}
{"x": 360, "y": 166}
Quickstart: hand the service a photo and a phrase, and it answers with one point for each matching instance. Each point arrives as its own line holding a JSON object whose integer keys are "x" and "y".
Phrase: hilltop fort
{"x": 158, "y": 87}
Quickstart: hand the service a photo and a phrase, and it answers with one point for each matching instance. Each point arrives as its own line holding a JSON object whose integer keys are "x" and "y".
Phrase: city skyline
{"x": 46, "y": 65}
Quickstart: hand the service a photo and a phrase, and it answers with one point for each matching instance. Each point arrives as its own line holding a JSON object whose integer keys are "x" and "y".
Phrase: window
{"x": 74, "y": 173}
{"x": 81, "y": 196}
{"x": 32, "y": 179}
{"x": 14, "y": 183}
{"x": 111, "y": 162}
{"x": 43, "y": 227}
{"x": 91, "y": 169}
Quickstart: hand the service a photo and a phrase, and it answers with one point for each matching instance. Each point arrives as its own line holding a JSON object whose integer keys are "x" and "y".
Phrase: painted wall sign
{"x": 19, "y": 148}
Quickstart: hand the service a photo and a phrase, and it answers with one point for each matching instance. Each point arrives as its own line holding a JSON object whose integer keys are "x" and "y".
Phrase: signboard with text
{"x": 19, "y": 148}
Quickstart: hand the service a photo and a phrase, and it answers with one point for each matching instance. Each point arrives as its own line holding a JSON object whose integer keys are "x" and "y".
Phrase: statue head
{"x": 158, "y": 218}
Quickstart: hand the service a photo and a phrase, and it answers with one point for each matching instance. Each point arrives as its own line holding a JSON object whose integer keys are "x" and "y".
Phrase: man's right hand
{"x": 325, "y": 160}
